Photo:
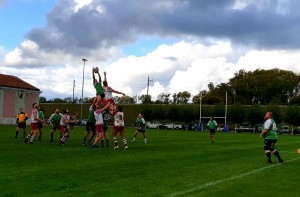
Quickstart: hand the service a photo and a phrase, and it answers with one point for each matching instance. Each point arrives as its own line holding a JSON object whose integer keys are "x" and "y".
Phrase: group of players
{"x": 101, "y": 111}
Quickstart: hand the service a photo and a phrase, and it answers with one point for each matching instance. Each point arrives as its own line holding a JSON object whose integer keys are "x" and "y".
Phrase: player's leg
{"x": 52, "y": 133}
{"x": 99, "y": 130}
{"x": 65, "y": 136}
{"x": 24, "y": 130}
{"x": 122, "y": 133}
{"x": 135, "y": 135}
{"x": 212, "y": 135}
{"x": 94, "y": 133}
{"x": 145, "y": 136}
{"x": 35, "y": 130}
{"x": 275, "y": 152}
{"x": 17, "y": 131}
{"x": 115, "y": 132}
{"x": 106, "y": 138}
{"x": 40, "y": 129}
{"x": 88, "y": 129}
{"x": 267, "y": 145}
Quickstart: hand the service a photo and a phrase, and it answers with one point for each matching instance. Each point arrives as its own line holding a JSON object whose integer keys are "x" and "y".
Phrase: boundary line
{"x": 212, "y": 183}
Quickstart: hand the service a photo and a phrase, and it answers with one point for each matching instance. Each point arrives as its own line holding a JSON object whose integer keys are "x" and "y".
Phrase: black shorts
{"x": 141, "y": 130}
{"x": 269, "y": 144}
{"x": 90, "y": 126}
{"x": 40, "y": 125}
{"x": 22, "y": 125}
{"x": 212, "y": 131}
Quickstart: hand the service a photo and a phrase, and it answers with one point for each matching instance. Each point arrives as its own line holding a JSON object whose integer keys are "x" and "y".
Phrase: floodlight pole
{"x": 200, "y": 112}
{"x": 148, "y": 83}
{"x": 84, "y": 60}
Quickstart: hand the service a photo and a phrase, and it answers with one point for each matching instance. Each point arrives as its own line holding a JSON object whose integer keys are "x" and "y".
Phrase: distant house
{"x": 15, "y": 93}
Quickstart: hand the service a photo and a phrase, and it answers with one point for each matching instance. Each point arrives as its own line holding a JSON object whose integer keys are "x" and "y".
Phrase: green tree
{"x": 292, "y": 115}
{"x": 163, "y": 98}
{"x": 255, "y": 114}
{"x": 42, "y": 99}
{"x": 183, "y": 97}
{"x": 124, "y": 100}
{"x": 145, "y": 99}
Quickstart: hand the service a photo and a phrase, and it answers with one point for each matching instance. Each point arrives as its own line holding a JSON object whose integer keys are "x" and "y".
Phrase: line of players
{"x": 100, "y": 113}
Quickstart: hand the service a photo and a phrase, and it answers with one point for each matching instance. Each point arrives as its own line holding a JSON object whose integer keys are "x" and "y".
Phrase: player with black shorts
{"x": 21, "y": 122}
{"x": 141, "y": 124}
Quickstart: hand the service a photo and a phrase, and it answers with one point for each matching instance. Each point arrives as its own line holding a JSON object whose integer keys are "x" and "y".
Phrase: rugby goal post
{"x": 200, "y": 125}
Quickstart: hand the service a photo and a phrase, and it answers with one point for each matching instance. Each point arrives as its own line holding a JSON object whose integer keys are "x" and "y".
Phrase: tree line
{"x": 259, "y": 87}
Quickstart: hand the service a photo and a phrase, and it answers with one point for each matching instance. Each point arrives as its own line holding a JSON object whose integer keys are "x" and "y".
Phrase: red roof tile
{"x": 14, "y": 82}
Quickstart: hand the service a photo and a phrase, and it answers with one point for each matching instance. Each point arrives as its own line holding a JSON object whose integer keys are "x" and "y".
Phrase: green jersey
{"x": 91, "y": 117}
{"x": 106, "y": 118}
{"x": 41, "y": 115}
{"x": 270, "y": 125}
{"x": 99, "y": 88}
{"x": 140, "y": 122}
{"x": 55, "y": 119}
{"x": 212, "y": 124}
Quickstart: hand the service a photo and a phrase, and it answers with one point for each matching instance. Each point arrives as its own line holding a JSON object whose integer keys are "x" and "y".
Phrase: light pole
{"x": 84, "y": 60}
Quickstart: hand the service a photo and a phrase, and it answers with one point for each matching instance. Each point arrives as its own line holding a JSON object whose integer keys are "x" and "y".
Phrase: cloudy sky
{"x": 179, "y": 44}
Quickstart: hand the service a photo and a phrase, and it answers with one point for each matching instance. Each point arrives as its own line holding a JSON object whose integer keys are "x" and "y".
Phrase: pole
{"x": 73, "y": 90}
{"x": 84, "y": 60}
{"x": 148, "y": 83}
{"x": 225, "y": 125}
{"x": 200, "y": 111}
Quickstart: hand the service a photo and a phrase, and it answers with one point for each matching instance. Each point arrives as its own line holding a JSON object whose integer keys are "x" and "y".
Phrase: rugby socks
{"x": 107, "y": 142}
{"x": 102, "y": 143}
{"x": 125, "y": 141}
{"x": 115, "y": 141}
{"x": 276, "y": 153}
{"x": 17, "y": 133}
{"x": 32, "y": 139}
{"x": 24, "y": 134}
{"x": 27, "y": 138}
{"x": 268, "y": 154}
{"x": 145, "y": 139}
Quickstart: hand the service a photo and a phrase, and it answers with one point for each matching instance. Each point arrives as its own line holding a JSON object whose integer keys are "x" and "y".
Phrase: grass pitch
{"x": 172, "y": 163}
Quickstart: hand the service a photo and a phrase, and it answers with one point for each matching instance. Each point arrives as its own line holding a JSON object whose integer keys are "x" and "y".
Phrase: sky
{"x": 179, "y": 45}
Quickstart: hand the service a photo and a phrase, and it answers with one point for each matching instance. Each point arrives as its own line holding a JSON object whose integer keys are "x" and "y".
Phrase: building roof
{"x": 14, "y": 82}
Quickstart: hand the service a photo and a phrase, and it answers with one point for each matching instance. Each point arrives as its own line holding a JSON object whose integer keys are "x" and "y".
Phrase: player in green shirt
{"x": 40, "y": 124}
{"x": 90, "y": 124}
{"x": 269, "y": 133}
{"x": 141, "y": 124}
{"x": 55, "y": 121}
{"x": 212, "y": 124}
{"x": 98, "y": 86}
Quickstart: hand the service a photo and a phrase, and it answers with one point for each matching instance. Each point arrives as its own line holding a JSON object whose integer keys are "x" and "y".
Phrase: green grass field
{"x": 172, "y": 163}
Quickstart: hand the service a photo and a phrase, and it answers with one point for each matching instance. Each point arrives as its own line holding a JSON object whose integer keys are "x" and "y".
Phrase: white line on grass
{"x": 212, "y": 183}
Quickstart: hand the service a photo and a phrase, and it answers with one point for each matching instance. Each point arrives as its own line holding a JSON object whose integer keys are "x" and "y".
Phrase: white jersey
{"x": 34, "y": 115}
{"x": 119, "y": 119}
{"x": 98, "y": 116}
{"x": 64, "y": 121}
{"x": 108, "y": 92}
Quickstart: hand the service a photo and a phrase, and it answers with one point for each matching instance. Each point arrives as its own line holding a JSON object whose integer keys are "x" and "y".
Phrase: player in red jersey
{"x": 108, "y": 94}
{"x": 34, "y": 127}
{"x": 98, "y": 113}
{"x": 119, "y": 128}
{"x": 64, "y": 123}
